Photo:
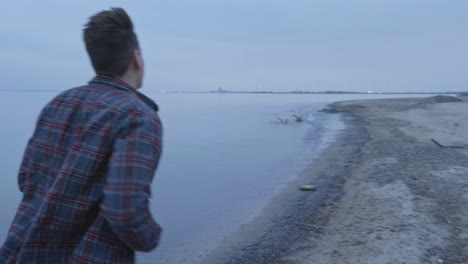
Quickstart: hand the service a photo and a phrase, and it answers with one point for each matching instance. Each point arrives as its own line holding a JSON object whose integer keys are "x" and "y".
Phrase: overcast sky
{"x": 199, "y": 45}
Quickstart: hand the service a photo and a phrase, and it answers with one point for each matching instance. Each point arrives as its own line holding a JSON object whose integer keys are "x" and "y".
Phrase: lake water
{"x": 224, "y": 156}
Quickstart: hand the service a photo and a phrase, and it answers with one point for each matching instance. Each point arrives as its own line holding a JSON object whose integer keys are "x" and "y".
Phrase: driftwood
{"x": 442, "y": 146}
{"x": 281, "y": 120}
{"x": 298, "y": 118}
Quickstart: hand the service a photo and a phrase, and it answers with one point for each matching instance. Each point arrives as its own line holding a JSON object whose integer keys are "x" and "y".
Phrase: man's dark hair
{"x": 110, "y": 41}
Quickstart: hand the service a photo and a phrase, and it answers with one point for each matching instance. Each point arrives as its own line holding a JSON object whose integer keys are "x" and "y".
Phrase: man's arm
{"x": 132, "y": 165}
{"x": 23, "y": 166}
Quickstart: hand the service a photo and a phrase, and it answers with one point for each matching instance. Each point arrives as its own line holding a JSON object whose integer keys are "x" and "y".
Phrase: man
{"x": 87, "y": 169}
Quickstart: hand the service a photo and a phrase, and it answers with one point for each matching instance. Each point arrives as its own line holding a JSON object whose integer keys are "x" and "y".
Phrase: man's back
{"x": 85, "y": 178}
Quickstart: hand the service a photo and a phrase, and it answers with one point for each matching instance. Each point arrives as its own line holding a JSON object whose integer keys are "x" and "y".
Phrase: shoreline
{"x": 385, "y": 193}
{"x": 293, "y": 206}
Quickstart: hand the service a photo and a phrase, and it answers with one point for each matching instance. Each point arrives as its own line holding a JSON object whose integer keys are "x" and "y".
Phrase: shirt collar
{"x": 119, "y": 84}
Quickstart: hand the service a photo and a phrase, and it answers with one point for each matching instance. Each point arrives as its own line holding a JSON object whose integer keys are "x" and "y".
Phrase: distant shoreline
{"x": 302, "y": 92}
{"x": 35, "y": 91}
{"x": 254, "y": 92}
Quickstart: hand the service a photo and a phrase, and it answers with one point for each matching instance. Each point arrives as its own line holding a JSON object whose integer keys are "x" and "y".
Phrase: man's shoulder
{"x": 102, "y": 97}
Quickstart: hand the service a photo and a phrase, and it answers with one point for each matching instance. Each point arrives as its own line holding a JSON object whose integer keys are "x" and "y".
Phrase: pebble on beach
{"x": 307, "y": 187}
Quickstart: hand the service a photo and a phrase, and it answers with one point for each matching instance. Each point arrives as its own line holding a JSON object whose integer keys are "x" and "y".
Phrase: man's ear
{"x": 138, "y": 59}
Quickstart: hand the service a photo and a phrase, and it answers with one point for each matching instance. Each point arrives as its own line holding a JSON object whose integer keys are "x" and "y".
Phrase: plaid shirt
{"x": 85, "y": 179}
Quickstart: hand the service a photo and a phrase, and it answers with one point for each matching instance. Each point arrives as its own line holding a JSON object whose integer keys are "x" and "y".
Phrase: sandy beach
{"x": 393, "y": 188}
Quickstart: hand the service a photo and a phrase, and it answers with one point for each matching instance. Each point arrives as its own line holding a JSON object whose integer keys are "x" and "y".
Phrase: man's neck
{"x": 130, "y": 80}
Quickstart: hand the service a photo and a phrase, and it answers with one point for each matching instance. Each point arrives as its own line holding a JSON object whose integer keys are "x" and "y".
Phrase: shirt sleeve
{"x": 23, "y": 167}
{"x": 132, "y": 164}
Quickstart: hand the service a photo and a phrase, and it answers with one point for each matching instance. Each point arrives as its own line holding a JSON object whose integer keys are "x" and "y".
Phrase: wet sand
{"x": 386, "y": 192}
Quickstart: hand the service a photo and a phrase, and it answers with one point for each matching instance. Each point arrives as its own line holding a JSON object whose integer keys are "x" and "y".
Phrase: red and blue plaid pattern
{"x": 85, "y": 178}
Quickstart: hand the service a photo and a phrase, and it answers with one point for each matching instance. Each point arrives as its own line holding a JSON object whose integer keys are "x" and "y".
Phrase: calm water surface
{"x": 224, "y": 156}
